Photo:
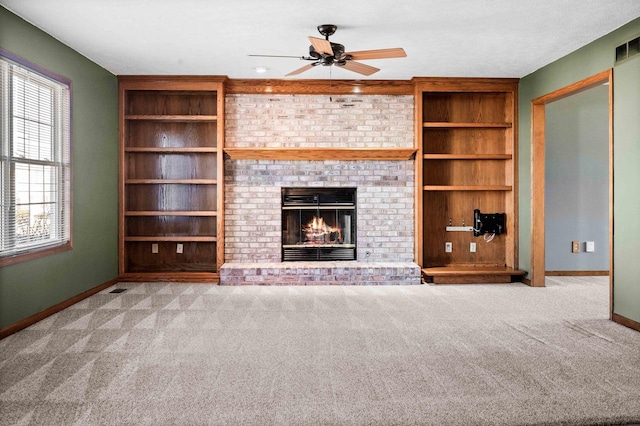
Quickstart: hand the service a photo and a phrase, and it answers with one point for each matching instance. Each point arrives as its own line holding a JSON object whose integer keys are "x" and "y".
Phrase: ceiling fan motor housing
{"x": 338, "y": 50}
{"x": 338, "y": 54}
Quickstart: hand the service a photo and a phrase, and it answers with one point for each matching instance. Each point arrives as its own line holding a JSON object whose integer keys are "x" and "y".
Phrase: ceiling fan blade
{"x": 321, "y": 46}
{"x": 397, "y": 52}
{"x": 277, "y": 56}
{"x": 303, "y": 69}
{"x": 360, "y": 68}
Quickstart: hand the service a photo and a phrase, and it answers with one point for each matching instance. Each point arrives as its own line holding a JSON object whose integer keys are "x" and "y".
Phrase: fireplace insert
{"x": 318, "y": 224}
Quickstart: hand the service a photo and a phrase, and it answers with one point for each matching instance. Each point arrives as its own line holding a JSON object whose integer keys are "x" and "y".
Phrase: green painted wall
{"x": 626, "y": 166}
{"x": 585, "y": 62}
{"x": 29, "y": 287}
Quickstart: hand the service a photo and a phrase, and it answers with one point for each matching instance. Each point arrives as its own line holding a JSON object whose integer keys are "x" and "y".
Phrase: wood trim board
{"x": 576, "y": 273}
{"x": 32, "y": 319}
{"x": 320, "y": 153}
{"x": 634, "y": 325}
{"x": 317, "y": 87}
{"x": 538, "y": 106}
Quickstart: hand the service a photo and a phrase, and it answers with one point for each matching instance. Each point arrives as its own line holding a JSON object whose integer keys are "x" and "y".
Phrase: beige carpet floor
{"x": 194, "y": 354}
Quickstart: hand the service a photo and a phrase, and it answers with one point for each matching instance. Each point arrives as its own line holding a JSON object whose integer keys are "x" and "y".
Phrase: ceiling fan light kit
{"x": 326, "y": 53}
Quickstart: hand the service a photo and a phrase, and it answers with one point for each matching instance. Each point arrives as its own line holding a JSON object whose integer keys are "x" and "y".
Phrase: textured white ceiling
{"x": 457, "y": 38}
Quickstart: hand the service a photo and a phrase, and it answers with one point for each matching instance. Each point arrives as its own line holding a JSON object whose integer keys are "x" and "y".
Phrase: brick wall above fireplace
{"x": 315, "y": 121}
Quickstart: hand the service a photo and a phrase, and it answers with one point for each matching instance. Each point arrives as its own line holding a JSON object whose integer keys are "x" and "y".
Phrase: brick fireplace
{"x": 385, "y": 188}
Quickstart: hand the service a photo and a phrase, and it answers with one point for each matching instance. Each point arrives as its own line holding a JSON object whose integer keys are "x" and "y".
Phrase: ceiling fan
{"x": 326, "y": 53}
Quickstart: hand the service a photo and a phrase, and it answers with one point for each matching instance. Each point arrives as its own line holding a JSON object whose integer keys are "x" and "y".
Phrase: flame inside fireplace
{"x": 318, "y": 232}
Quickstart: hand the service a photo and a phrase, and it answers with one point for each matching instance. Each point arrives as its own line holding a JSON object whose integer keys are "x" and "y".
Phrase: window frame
{"x": 65, "y": 245}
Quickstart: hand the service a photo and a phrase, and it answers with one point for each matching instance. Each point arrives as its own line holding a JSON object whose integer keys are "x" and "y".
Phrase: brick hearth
{"x": 320, "y": 273}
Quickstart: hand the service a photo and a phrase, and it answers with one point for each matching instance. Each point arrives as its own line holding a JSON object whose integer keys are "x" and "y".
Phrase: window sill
{"x": 35, "y": 254}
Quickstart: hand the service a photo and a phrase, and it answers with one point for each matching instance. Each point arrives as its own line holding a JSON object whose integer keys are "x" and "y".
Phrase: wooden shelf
{"x": 320, "y": 153}
{"x": 470, "y": 270}
{"x": 470, "y": 274}
{"x": 467, "y": 188}
{"x": 449, "y": 125}
{"x": 467, "y": 156}
{"x": 148, "y": 117}
{"x": 179, "y": 239}
{"x": 171, "y": 213}
{"x": 175, "y": 150}
{"x": 171, "y": 181}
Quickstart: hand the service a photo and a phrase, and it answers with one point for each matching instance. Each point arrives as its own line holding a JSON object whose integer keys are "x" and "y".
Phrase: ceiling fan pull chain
{"x": 330, "y": 87}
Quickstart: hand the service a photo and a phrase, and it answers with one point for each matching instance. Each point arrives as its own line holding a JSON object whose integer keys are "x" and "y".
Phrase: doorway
{"x": 538, "y": 149}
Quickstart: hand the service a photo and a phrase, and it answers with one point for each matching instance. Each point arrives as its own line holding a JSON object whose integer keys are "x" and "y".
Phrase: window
{"x": 35, "y": 166}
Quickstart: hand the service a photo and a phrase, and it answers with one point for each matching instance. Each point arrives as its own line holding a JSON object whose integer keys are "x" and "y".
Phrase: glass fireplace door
{"x": 318, "y": 226}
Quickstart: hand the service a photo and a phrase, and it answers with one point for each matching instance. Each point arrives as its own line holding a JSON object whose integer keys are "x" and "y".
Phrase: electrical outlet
{"x": 472, "y": 247}
{"x": 575, "y": 246}
{"x": 179, "y": 248}
{"x": 590, "y": 247}
{"x": 154, "y": 248}
{"x": 448, "y": 247}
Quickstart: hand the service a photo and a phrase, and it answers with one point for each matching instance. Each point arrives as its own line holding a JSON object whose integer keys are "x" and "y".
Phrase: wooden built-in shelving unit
{"x": 466, "y": 160}
{"x": 172, "y": 159}
{"x": 171, "y": 178}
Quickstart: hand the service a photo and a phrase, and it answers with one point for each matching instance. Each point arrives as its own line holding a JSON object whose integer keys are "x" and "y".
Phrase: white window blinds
{"x": 35, "y": 169}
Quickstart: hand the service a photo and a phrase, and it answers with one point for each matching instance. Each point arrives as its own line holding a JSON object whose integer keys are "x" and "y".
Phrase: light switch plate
{"x": 448, "y": 247}
{"x": 154, "y": 248}
{"x": 179, "y": 248}
{"x": 590, "y": 247}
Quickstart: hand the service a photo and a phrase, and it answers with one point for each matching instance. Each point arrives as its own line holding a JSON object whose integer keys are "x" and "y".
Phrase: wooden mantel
{"x": 320, "y": 153}
{"x": 317, "y": 87}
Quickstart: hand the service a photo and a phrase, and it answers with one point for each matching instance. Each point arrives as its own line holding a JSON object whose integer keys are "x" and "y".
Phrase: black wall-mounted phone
{"x": 488, "y": 223}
